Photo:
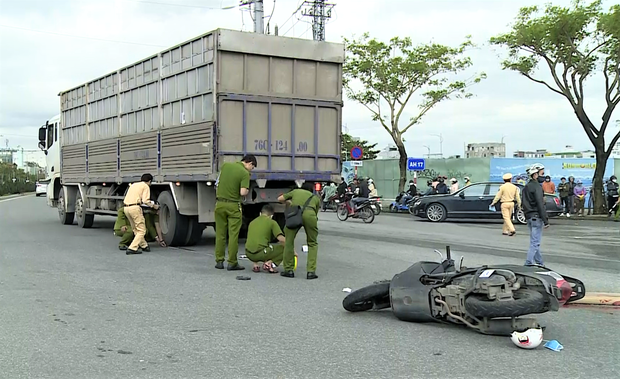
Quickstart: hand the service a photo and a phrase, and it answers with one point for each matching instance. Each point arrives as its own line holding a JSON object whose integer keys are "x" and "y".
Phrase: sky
{"x": 47, "y": 46}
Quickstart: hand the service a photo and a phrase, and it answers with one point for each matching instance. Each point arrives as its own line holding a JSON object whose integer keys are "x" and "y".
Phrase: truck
{"x": 183, "y": 112}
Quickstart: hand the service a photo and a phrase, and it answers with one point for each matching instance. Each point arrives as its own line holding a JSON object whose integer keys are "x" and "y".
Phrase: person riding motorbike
{"x": 411, "y": 192}
{"x": 442, "y": 188}
{"x": 342, "y": 187}
{"x": 430, "y": 190}
{"x": 328, "y": 192}
{"x": 372, "y": 188}
{"x": 361, "y": 193}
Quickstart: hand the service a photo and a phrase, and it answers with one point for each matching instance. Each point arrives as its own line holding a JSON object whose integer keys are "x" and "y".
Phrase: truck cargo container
{"x": 182, "y": 113}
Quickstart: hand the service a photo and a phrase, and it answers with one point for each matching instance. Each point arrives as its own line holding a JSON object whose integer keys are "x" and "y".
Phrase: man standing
{"x": 508, "y": 195}
{"x": 233, "y": 183}
{"x": 138, "y": 195}
{"x": 571, "y": 194}
{"x": 563, "y": 190}
{"x": 536, "y": 215}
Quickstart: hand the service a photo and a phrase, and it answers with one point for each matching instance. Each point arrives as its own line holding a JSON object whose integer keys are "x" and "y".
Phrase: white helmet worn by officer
{"x": 530, "y": 339}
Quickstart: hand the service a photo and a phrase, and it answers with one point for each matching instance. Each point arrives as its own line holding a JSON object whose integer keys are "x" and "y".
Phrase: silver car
{"x": 41, "y": 189}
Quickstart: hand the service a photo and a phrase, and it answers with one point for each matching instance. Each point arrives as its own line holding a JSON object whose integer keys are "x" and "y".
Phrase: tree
{"x": 347, "y": 143}
{"x": 391, "y": 73}
{"x": 573, "y": 43}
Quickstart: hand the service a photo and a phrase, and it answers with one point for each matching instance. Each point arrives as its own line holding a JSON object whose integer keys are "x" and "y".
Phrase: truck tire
{"x": 375, "y": 296}
{"x": 194, "y": 231}
{"x": 84, "y": 220}
{"x": 65, "y": 218}
{"x": 173, "y": 224}
{"x": 525, "y": 302}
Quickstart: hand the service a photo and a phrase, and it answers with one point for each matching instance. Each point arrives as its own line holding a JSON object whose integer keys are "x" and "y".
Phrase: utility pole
{"x": 259, "y": 25}
{"x": 319, "y": 11}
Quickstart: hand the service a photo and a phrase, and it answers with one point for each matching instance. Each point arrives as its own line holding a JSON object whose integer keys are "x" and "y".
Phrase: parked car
{"x": 41, "y": 189}
{"x": 473, "y": 202}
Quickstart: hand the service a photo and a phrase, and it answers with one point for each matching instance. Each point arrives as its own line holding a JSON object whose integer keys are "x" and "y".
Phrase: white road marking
{"x": 15, "y": 198}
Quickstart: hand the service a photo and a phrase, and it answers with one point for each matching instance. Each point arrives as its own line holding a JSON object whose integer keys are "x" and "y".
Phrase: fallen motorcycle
{"x": 488, "y": 299}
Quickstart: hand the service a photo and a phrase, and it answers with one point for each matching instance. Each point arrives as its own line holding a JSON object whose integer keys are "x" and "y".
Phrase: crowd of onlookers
{"x": 573, "y": 195}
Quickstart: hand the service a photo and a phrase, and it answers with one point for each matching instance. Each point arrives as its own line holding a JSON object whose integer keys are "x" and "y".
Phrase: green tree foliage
{"x": 347, "y": 143}
{"x": 572, "y": 44}
{"x": 22, "y": 183}
{"x": 384, "y": 77}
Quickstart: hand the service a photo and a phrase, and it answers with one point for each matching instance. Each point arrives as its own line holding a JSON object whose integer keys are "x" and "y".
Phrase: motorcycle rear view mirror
{"x": 462, "y": 195}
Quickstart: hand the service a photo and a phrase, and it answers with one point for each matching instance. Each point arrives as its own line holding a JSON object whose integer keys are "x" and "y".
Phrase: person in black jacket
{"x": 533, "y": 203}
{"x": 612, "y": 193}
{"x": 442, "y": 188}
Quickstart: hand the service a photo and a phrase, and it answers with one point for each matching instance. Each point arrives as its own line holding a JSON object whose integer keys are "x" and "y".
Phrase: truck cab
{"x": 49, "y": 144}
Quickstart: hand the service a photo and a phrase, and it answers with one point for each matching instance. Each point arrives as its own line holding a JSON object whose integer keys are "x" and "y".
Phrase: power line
{"x": 319, "y": 11}
{"x": 294, "y": 13}
{"x": 181, "y": 5}
{"x": 74, "y": 36}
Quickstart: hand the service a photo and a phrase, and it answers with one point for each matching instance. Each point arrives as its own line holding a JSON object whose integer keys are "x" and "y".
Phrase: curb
{"x": 599, "y": 298}
{"x": 16, "y": 195}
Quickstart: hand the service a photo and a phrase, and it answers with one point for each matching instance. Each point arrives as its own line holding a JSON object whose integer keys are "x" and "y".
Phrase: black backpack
{"x": 294, "y": 214}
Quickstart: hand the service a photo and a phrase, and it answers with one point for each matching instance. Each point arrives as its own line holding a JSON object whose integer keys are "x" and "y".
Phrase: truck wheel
{"x": 85, "y": 220}
{"x": 173, "y": 224}
{"x": 194, "y": 231}
{"x": 65, "y": 218}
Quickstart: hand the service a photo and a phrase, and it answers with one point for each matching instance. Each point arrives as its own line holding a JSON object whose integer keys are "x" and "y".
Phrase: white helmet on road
{"x": 530, "y": 339}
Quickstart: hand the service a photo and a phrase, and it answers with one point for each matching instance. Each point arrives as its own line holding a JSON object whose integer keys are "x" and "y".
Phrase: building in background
{"x": 540, "y": 153}
{"x": 388, "y": 152}
{"x": 6, "y": 155}
{"x": 485, "y": 150}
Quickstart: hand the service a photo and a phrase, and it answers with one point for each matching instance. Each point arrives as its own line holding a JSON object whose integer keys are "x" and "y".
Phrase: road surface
{"x": 73, "y": 306}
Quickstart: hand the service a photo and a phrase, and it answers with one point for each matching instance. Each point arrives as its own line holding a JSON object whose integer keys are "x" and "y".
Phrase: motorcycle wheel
{"x": 376, "y": 210}
{"x": 342, "y": 213}
{"x": 374, "y": 296}
{"x": 525, "y": 302}
{"x": 410, "y": 209}
{"x": 367, "y": 215}
{"x": 393, "y": 209}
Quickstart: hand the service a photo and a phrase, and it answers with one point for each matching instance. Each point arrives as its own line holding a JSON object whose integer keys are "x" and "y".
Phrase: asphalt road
{"x": 73, "y": 306}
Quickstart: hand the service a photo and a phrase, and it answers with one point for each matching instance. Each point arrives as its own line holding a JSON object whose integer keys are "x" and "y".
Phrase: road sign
{"x": 416, "y": 164}
{"x": 357, "y": 152}
{"x": 357, "y": 163}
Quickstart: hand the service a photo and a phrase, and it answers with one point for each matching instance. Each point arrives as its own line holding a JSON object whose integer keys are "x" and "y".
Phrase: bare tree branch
{"x": 541, "y": 82}
{"x": 613, "y": 143}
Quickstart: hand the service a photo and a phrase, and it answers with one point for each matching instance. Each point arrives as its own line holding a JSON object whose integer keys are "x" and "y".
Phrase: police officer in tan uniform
{"x": 508, "y": 195}
{"x": 138, "y": 195}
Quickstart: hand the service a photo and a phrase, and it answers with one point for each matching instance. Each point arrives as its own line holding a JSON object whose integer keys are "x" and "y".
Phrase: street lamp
{"x": 440, "y": 143}
{"x": 428, "y": 148}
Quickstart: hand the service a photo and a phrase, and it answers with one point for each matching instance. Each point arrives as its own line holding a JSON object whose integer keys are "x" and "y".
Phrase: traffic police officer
{"x": 299, "y": 196}
{"x": 507, "y": 195}
{"x": 233, "y": 183}
{"x": 122, "y": 228}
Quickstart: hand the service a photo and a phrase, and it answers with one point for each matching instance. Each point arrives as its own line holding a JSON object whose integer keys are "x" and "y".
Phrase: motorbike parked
{"x": 488, "y": 299}
{"x": 362, "y": 210}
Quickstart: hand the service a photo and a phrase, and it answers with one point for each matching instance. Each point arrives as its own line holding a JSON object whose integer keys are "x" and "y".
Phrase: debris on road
{"x": 346, "y": 289}
{"x": 554, "y": 345}
{"x": 241, "y": 277}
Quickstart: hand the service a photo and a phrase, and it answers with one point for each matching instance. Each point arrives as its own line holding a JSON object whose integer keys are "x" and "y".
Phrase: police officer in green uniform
{"x": 232, "y": 184}
{"x": 258, "y": 248}
{"x": 299, "y": 196}
{"x": 122, "y": 228}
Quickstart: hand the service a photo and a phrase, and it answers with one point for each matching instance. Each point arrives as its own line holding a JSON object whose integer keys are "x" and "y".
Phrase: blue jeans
{"x": 535, "y": 225}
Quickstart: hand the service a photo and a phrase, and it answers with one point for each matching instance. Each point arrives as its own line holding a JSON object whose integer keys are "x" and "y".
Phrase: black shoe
{"x": 235, "y": 267}
{"x": 311, "y": 275}
{"x": 132, "y": 252}
{"x": 288, "y": 274}
{"x": 122, "y": 248}
{"x": 147, "y": 249}
{"x": 219, "y": 265}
